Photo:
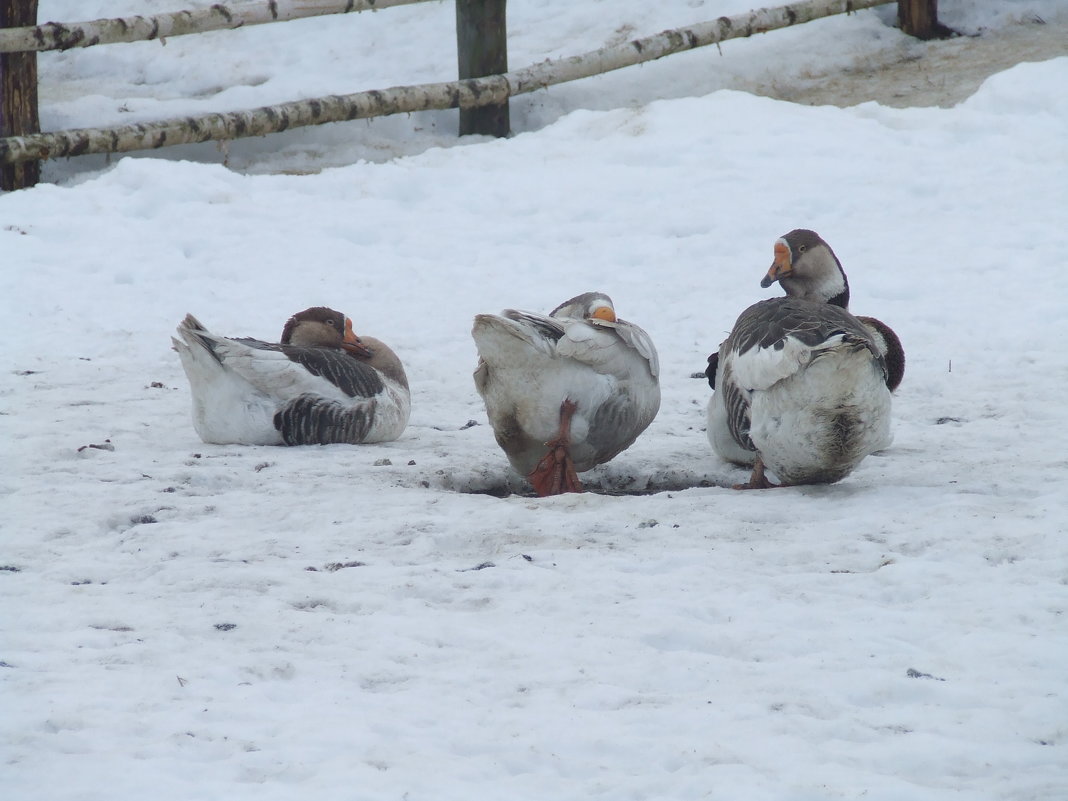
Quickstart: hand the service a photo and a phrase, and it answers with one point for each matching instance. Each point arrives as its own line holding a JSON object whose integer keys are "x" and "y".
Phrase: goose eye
{"x": 332, "y": 323}
{"x": 801, "y": 248}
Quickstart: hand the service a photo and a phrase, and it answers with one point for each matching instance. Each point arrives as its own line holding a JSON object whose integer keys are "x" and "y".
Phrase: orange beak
{"x": 781, "y": 267}
{"x": 352, "y": 344}
{"x": 604, "y": 313}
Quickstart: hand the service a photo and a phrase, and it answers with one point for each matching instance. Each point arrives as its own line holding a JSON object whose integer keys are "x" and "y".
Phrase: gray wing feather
{"x": 768, "y": 323}
{"x": 313, "y": 420}
{"x": 614, "y": 427}
{"x": 546, "y": 326}
{"x": 346, "y": 372}
{"x": 736, "y": 401}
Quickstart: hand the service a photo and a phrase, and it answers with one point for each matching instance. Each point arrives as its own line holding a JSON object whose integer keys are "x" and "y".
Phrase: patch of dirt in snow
{"x": 605, "y": 480}
{"x": 936, "y": 73}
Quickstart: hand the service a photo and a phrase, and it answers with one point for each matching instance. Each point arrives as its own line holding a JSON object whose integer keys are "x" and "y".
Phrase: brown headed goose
{"x": 567, "y": 391}
{"x": 806, "y": 267}
{"x": 802, "y": 386}
{"x": 321, "y": 384}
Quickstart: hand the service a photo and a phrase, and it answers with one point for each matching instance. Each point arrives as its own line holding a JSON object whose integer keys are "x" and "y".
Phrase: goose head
{"x": 587, "y": 306}
{"x": 807, "y": 268}
{"x": 320, "y": 327}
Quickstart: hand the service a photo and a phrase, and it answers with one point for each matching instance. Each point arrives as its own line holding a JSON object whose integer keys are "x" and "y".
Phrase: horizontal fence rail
{"x": 220, "y": 16}
{"x": 471, "y": 93}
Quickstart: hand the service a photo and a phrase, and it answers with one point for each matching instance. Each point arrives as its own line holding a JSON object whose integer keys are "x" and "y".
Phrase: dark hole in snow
{"x": 941, "y": 421}
{"x": 502, "y": 491}
{"x": 333, "y": 567}
{"x": 480, "y": 566}
{"x": 912, "y": 673}
{"x": 103, "y": 446}
{"x": 10, "y": 569}
{"x": 225, "y": 626}
{"x": 139, "y": 519}
{"x": 610, "y": 485}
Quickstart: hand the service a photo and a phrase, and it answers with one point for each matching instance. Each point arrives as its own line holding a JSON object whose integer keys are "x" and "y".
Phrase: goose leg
{"x": 757, "y": 480}
{"x": 555, "y": 472}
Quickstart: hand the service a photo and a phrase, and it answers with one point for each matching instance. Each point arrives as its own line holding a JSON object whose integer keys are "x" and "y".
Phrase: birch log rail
{"x": 217, "y": 17}
{"x": 471, "y": 93}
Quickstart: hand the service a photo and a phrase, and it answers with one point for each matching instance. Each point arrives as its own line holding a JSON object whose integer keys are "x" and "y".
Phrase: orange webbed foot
{"x": 555, "y": 472}
{"x": 757, "y": 480}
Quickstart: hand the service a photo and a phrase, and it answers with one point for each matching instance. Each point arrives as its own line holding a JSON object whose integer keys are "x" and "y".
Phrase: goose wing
{"x": 512, "y": 332}
{"x": 286, "y": 371}
{"x": 774, "y": 340}
{"x": 615, "y": 348}
{"x": 354, "y": 378}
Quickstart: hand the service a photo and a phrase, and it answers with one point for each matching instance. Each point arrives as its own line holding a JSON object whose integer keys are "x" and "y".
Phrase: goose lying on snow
{"x": 320, "y": 384}
{"x": 567, "y": 391}
{"x": 802, "y": 386}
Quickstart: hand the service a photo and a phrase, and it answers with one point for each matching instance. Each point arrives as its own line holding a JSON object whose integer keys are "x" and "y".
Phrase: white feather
{"x": 762, "y": 368}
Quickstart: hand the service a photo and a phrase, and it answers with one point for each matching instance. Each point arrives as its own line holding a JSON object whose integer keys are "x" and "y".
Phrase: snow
{"x": 404, "y": 620}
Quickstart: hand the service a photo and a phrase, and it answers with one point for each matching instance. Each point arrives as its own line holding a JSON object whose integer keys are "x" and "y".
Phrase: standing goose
{"x": 802, "y": 386}
{"x": 565, "y": 392}
{"x": 320, "y": 384}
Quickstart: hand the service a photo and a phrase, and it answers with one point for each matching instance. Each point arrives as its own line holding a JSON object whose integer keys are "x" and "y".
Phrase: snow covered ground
{"x": 189, "y": 621}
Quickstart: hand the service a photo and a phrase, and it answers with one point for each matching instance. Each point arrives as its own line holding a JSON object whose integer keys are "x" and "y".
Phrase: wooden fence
{"x": 481, "y": 93}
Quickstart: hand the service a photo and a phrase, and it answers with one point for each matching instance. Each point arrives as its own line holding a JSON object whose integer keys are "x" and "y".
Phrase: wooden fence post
{"x": 482, "y": 49}
{"x": 18, "y": 94}
{"x": 919, "y": 18}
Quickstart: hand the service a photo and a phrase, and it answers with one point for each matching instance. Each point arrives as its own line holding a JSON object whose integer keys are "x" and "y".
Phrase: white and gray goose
{"x": 320, "y": 384}
{"x": 807, "y": 268}
{"x": 802, "y": 386}
{"x": 567, "y": 391}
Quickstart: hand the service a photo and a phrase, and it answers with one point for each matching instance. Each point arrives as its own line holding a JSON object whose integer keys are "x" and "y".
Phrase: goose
{"x": 803, "y": 386}
{"x": 806, "y": 267}
{"x": 320, "y": 384}
{"x": 567, "y": 391}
